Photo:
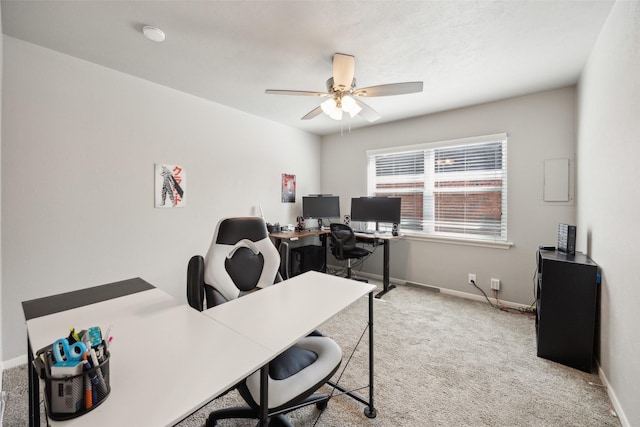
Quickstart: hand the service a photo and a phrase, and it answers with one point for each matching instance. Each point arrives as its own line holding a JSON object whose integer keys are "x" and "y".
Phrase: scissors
{"x": 71, "y": 352}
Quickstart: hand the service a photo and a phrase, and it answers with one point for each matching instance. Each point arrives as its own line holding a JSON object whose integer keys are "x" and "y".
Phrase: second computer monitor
{"x": 321, "y": 207}
{"x": 376, "y": 209}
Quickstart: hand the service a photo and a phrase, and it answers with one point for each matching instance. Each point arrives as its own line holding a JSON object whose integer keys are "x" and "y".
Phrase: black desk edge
{"x": 56, "y": 303}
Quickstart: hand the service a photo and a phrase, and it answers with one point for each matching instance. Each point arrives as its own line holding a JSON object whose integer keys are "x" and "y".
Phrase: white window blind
{"x": 450, "y": 188}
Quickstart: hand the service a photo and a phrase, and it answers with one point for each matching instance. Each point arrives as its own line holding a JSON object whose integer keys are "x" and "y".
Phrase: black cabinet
{"x": 567, "y": 304}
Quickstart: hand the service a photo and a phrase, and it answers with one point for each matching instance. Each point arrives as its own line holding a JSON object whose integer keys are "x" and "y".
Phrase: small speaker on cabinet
{"x": 396, "y": 229}
{"x": 347, "y": 219}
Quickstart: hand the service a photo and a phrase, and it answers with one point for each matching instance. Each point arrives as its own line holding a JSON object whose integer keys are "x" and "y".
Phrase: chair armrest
{"x": 195, "y": 282}
{"x": 199, "y": 294}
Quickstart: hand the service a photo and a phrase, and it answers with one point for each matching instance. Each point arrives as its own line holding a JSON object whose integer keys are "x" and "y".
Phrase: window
{"x": 452, "y": 189}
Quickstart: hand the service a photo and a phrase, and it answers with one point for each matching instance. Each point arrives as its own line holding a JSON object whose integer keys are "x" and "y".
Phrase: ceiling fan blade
{"x": 389, "y": 89}
{"x": 367, "y": 113}
{"x": 295, "y": 92}
{"x": 313, "y": 113}
{"x": 343, "y": 70}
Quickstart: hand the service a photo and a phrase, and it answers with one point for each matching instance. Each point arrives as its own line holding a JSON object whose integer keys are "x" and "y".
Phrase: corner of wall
{"x": 1, "y": 80}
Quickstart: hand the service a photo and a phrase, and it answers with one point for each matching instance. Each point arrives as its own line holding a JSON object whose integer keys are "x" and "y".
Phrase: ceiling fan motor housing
{"x": 333, "y": 88}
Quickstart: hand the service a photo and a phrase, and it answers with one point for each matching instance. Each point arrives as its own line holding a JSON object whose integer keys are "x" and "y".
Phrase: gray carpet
{"x": 439, "y": 361}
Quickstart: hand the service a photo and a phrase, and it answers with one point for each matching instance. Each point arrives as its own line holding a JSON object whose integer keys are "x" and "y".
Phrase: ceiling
{"x": 465, "y": 52}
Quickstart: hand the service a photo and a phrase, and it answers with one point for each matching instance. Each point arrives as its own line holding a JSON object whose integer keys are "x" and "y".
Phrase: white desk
{"x": 165, "y": 357}
{"x": 278, "y": 316}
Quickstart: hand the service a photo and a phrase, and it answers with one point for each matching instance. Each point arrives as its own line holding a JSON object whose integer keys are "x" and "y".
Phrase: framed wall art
{"x": 288, "y": 188}
{"x": 170, "y": 186}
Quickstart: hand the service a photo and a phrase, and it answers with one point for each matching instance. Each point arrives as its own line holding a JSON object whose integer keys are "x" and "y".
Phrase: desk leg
{"x": 385, "y": 272}
{"x": 323, "y": 240}
{"x": 264, "y": 397}
{"x": 34, "y": 390}
{"x": 370, "y": 410}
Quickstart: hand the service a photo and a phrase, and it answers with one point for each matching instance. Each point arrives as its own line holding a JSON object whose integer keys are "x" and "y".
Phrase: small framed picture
{"x": 170, "y": 186}
{"x": 288, "y": 188}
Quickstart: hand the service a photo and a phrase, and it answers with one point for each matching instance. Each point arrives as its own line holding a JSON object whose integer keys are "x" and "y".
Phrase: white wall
{"x": 79, "y": 144}
{"x": 539, "y": 127}
{"x": 609, "y": 196}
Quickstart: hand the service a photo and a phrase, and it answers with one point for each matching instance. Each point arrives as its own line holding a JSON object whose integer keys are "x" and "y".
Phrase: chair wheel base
{"x": 322, "y": 405}
{"x": 280, "y": 421}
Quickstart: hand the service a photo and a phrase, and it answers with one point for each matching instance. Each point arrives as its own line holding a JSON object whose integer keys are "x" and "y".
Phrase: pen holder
{"x": 70, "y": 390}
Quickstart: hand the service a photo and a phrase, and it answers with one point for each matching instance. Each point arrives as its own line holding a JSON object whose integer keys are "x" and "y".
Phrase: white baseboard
{"x": 16, "y": 361}
{"x": 474, "y": 297}
{"x": 614, "y": 399}
{"x": 446, "y": 291}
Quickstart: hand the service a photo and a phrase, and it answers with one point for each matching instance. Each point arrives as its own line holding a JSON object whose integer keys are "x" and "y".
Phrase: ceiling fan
{"x": 343, "y": 94}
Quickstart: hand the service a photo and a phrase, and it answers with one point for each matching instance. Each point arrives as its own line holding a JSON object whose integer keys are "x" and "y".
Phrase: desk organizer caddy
{"x": 66, "y": 397}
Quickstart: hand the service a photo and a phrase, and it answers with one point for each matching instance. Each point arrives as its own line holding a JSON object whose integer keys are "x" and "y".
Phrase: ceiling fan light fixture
{"x": 336, "y": 114}
{"x": 331, "y": 109}
{"x": 350, "y": 106}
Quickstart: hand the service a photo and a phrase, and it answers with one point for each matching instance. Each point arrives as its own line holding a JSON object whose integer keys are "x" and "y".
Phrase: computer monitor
{"x": 378, "y": 209}
{"x": 321, "y": 207}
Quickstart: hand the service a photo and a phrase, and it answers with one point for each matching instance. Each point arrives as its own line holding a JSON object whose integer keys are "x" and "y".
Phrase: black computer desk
{"x": 293, "y": 236}
{"x": 370, "y": 238}
{"x": 385, "y": 239}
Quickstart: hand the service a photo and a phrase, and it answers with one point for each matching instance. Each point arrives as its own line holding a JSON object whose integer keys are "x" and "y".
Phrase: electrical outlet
{"x": 472, "y": 279}
{"x": 495, "y": 284}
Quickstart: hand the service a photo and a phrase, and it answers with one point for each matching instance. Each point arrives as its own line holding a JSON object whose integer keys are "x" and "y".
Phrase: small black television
{"x": 378, "y": 209}
{"x": 325, "y": 206}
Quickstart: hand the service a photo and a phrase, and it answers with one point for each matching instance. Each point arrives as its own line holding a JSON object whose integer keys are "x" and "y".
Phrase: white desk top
{"x": 194, "y": 360}
{"x": 279, "y": 315}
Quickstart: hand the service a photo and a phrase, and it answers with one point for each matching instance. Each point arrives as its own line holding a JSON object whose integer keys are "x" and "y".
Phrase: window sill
{"x": 454, "y": 241}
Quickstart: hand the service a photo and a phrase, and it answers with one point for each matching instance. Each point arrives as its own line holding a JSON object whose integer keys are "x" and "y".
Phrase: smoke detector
{"x": 153, "y": 33}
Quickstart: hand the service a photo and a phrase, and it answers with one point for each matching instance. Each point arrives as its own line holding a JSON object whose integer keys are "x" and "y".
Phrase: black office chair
{"x": 344, "y": 248}
{"x": 242, "y": 258}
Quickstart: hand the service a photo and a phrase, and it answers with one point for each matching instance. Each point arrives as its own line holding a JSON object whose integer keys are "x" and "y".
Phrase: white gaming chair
{"x": 240, "y": 259}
